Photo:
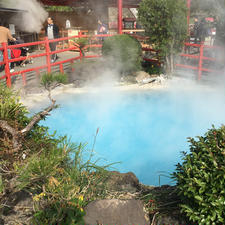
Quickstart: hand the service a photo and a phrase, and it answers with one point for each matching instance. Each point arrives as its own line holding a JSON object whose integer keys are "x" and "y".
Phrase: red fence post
{"x": 6, "y": 62}
{"x": 48, "y": 58}
{"x": 81, "y": 53}
{"x": 61, "y": 68}
{"x": 120, "y": 15}
{"x": 200, "y": 61}
{"x": 24, "y": 79}
{"x": 72, "y": 65}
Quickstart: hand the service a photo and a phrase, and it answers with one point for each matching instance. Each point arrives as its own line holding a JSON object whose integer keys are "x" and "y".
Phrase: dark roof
{"x": 2, "y": 9}
{"x": 126, "y": 3}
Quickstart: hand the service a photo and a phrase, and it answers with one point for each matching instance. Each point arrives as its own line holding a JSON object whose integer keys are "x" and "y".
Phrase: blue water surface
{"x": 145, "y": 131}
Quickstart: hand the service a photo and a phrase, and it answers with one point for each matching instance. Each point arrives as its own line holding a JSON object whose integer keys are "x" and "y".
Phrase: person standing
{"x": 52, "y": 32}
{"x": 102, "y": 29}
{"x": 196, "y": 30}
{"x": 6, "y": 35}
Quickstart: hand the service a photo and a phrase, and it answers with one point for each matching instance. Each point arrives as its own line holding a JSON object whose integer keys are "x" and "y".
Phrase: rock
{"x": 144, "y": 78}
{"x": 19, "y": 209}
{"x": 141, "y": 75}
{"x": 128, "y": 79}
{"x": 167, "y": 220}
{"x": 114, "y": 211}
{"x": 123, "y": 182}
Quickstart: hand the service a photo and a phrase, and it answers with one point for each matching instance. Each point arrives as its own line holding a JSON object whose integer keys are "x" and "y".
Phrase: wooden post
{"x": 6, "y": 62}
{"x": 61, "y": 68}
{"x": 120, "y": 15}
{"x": 200, "y": 61}
{"x": 48, "y": 58}
{"x": 81, "y": 53}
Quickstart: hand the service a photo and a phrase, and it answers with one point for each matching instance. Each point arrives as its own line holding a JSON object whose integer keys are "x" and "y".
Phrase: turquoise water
{"x": 145, "y": 131}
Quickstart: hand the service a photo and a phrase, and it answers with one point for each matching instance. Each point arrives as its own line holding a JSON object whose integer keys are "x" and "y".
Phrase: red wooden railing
{"x": 48, "y": 54}
{"x": 200, "y": 57}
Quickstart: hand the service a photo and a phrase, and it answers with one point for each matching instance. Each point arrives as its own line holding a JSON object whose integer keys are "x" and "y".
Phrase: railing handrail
{"x": 200, "y": 57}
{"x": 48, "y": 53}
{"x": 4, "y": 48}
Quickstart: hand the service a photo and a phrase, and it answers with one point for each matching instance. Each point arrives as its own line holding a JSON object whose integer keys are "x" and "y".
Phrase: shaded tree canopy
{"x": 165, "y": 23}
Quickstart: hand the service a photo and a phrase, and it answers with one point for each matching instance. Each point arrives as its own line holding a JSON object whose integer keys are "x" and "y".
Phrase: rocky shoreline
{"x": 127, "y": 202}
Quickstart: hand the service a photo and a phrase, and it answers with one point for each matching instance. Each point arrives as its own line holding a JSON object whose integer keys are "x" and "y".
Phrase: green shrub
{"x": 11, "y": 108}
{"x": 82, "y": 42}
{"x": 123, "y": 52}
{"x": 51, "y": 79}
{"x": 152, "y": 67}
{"x": 201, "y": 178}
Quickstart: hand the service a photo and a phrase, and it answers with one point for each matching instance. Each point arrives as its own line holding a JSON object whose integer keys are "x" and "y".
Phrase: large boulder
{"x": 115, "y": 212}
{"x": 123, "y": 182}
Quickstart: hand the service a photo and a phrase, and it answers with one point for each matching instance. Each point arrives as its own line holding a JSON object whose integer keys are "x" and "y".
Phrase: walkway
{"x": 32, "y": 77}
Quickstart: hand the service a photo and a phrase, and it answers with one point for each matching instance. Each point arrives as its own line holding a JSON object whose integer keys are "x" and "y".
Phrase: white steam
{"x": 30, "y": 21}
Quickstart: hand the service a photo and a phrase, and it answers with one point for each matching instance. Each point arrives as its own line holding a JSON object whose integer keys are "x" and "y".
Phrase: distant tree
{"x": 208, "y": 7}
{"x": 59, "y": 8}
{"x": 165, "y": 23}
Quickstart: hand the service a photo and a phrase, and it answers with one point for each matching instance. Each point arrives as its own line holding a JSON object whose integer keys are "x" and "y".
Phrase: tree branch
{"x": 38, "y": 117}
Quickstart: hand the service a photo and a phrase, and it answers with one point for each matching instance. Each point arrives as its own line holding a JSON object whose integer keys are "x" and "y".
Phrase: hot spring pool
{"x": 145, "y": 131}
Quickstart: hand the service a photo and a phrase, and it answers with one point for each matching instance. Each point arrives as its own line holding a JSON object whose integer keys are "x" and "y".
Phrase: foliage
{"x": 59, "y": 8}
{"x": 122, "y": 52}
{"x": 13, "y": 112}
{"x": 1, "y": 185}
{"x": 62, "y": 177}
{"x": 50, "y": 80}
{"x": 165, "y": 24}
{"x": 82, "y": 42}
{"x": 62, "y": 182}
{"x": 152, "y": 67}
{"x": 201, "y": 179}
{"x": 10, "y": 106}
{"x": 206, "y": 7}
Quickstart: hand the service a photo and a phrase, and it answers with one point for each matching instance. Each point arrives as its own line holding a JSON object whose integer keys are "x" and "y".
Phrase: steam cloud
{"x": 30, "y": 21}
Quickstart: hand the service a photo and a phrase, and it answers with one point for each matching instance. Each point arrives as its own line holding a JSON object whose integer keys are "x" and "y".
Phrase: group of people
{"x": 214, "y": 29}
{"x": 51, "y": 31}
{"x": 201, "y": 30}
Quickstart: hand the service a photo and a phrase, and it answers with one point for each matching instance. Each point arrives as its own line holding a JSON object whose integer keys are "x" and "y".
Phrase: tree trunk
{"x": 167, "y": 65}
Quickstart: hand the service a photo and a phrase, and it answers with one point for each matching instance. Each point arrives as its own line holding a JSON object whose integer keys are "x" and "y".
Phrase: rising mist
{"x": 32, "y": 19}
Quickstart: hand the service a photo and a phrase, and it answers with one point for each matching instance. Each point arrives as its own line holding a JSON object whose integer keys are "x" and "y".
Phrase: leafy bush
{"x": 82, "y": 42}
{"x": 122, "y": 52}
{"x": 10, "y": 106}
{"x": 152, "y": 68}
{"x": 201, "y": 178}
{"x": 50, "y": 80}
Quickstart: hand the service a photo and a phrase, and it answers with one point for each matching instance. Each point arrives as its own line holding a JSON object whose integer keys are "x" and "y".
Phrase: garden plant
{"x": 59, "y": 176}
{"x": 122, "y": 52}
{"x": 201, "y": 178}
